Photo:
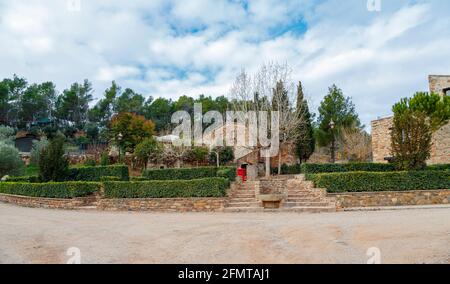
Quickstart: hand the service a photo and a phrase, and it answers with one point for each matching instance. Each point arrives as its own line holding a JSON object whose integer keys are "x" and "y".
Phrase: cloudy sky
{"x": 173, "y": 48}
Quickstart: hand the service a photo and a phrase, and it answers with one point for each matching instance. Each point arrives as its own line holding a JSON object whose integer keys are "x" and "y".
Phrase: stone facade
{"x": 440, "y": 150}
{"x": 163, "y": 204}
{"x": 439, "y": 84}
{"x": 50, "y": 203}
{"x": 381, "y": 139}
{"x": 391, "y": 198}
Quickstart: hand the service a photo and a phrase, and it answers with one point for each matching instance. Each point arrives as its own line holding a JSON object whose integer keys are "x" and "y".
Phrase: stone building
{"x": 440, "y": 150}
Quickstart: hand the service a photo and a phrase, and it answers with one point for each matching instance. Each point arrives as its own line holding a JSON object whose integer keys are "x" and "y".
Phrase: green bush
{"x": 350, "y": 167}
{"x": 288, "y": 170}
{"x": 90, "y": 163}
{"x": 96, "y": 173}
{"x": 441, "y": 167}
{"x": 382, "y": 181}
{"x": 109, "y": 178}
{"x": 10, "y": 161}
{"x": 51, "y": 189}
{"x": 53, "y": 166}
{"x": 104, "y": 159}
{"x": 207, "y": 187}
{"x": 38, "y": 146}
{"x": 188, "y": 173}
{"x": 33, "y": 179}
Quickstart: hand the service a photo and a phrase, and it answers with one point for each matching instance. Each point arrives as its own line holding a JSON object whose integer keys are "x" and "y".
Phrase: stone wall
{"x": 390, "y": 198}
{"x": 381, "y": 139}
{"x": 51, "y": 203}
{"x": 381, "y": 142}
{"x": 163, "y": 204}
{"x": 439, "y": 83}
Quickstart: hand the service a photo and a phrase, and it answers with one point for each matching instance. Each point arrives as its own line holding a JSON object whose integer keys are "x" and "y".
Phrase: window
{"x": 447, "y": 91}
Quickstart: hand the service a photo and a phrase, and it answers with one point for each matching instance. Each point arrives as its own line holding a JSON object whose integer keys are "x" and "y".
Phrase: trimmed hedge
{"x": 350, "y": 167}
{"x": 99, "y": 173}
{"x": 189, "y": 173}
{"x": 33, "y": 179}
{"x": 288, "y": 170}
{"x": 381, "y": 181}
{"x": 51, "y": 189}
{"x": 96, "y": 173}
{"x": 441, "y": 167}
{"x": 207, "y": 187}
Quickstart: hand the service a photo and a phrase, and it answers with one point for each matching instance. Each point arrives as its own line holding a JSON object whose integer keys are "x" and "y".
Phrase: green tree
{"x": 146, "y": 150}
{"x": 160, "y": 112}
{"x": 11, "y": 92}
{"x": 129, "y": 101}
{"x": 73, "y": 105}
{"x": 128, "y": 130}
{"x": 53, "y": 165}
{"x": 10, "y": 162}
{"x": 6, "y": 134}
{"x": 415, "y": 120}
{"x": 37, "y": 102}
{"x": 36, "y": 150}
{"x": 336, "y": 112}
{"x": 104, "y": 109}
{"x": 226, "y": 155}
{"x": 306, "y": 143}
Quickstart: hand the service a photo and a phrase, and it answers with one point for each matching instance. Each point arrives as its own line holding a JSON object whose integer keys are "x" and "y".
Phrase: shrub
{"x": 147, "y": 150}
{"x": 382, "y": 181}
{"x": 7, "y": 134}
{"x": 50, "y": 190}
{"x": 208, "y": 187}
{"x": 109, "y": 178}
{"x": 32, "y": 179}
{"x": 10, "y": 161}
{"x": 53, "y": 166}
{"x": 190, "y": 173}
{"x": 288, "y": 170}
{"x": 351, "y": 167}
{"x": 441, "y": 167}
{"x": 227, "y": 172}
{"x": 38, "y": 146}
{"x": 90, "y": 163}
{"x": 226, "y": 155}
{"x": 104, "y": 159}
{"x": 96, "y": 173}
{"x": 180, "y": 174}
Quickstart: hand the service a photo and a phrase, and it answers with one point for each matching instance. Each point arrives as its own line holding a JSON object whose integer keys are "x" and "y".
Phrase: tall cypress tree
{"x": 306, "y": 143}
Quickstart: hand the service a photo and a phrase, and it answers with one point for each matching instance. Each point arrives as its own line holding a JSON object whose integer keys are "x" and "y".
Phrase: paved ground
{"x": 43, "y": 236}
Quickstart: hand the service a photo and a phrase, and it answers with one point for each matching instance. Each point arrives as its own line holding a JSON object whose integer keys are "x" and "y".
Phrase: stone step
{"x": 320, "y": 209}
{"x": 244, "y": 204}
{"x": 243, "y": 209}
{"x": 306, "y": 204}
{"x": 306, "y": 200}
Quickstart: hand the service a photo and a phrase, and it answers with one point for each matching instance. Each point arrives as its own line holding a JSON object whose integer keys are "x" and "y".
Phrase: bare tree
{"x": 356, "y": 144}
{"x": 271, "y": 88}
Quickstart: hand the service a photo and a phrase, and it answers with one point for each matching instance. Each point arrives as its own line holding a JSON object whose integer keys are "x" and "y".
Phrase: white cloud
{"x": 170, "y": 48}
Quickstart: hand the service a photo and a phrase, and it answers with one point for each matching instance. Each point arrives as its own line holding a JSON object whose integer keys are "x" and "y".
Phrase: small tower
{"x": 439, "y": 84}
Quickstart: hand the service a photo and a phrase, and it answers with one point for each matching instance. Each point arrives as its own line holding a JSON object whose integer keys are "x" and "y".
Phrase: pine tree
{"x": 305, "y": 145}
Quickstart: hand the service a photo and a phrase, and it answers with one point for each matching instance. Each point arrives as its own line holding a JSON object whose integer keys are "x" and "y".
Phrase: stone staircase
{"x": 303, "y": 197}
{"x": 242, "y": 198}
{"x": 300, "y": 196}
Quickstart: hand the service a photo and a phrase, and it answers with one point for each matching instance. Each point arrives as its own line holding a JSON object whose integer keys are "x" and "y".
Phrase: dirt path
{"x": 43, "y": 236}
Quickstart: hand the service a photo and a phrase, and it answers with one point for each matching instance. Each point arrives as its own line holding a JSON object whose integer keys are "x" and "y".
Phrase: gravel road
{"x": 30, "y": 235}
